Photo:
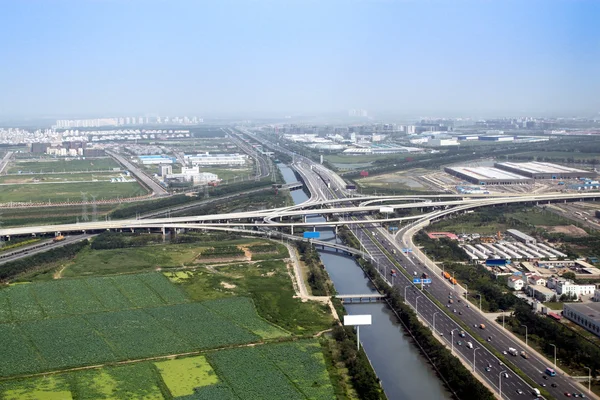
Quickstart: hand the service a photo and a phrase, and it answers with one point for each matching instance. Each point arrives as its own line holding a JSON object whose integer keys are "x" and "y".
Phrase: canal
{"x": 404, "y": 373}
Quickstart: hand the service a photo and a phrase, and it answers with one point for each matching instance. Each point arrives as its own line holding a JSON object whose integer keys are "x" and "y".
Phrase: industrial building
{"x": 192, "y": 175}
{"x": 521, "y": 237}
{"x": 156, "y": 159}
{"x": 487, "y": 176}
{"x": 542, "y": 170}
{"x": 586, "y": 315}
{"x": 216, "y": 159}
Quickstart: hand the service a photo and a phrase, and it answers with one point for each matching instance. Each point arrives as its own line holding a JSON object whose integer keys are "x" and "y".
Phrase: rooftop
{"x": 541, "y": 167}
{"x": 488, "y": 173}
{"x": 591, "y": 310}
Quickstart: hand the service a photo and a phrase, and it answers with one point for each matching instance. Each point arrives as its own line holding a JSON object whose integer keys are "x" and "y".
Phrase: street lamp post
{"x": 502, "y": 311}
{"x": 553, "y": 345}
{"x": 589, "y": 379}
{"x": 417, "y": 305}
{"x": 437, "y": 312}
{"x": 479, "y": 301}
{"x": 526, "y": 345}
{"x": 476, "y": 348}
{"x": 500, "y": 383}
{"x": 452, "y": 338}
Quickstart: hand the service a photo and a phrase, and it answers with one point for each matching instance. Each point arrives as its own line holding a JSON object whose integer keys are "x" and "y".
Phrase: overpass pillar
{"x": 163, "y": 231}
{"x": 314, "y": 228}
{"x": 292, "y": 229}
{"x": 336, "y": 230}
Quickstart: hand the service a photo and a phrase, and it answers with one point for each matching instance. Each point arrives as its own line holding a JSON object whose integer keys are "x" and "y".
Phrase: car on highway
{"x": 519, "y": 391}
{"x": 459, "y": 343}
{"x": 543, "y": 384}
{"x": 505, "y": 352}
{"x": 460, "y": 313}
{"x": 505, "y": 375}
{"x": 454, "y": 311}
{"x": 488, "y": 369}
{"x": 567, "y": 394}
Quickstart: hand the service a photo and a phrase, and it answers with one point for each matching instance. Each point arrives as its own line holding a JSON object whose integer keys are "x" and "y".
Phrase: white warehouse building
{"x": 217, "y": 159}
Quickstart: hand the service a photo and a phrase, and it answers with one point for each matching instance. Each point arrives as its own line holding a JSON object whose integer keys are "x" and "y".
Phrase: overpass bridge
{"x": 268, "y": 216}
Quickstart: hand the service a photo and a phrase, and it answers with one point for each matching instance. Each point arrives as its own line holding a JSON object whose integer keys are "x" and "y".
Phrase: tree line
{"x": 11, "y": 269}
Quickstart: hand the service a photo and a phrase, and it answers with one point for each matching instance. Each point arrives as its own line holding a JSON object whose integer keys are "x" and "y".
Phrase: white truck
{"x": 470, "y": 345}
{"x": 536, "y": 392}
{"x": 513, "y": 351}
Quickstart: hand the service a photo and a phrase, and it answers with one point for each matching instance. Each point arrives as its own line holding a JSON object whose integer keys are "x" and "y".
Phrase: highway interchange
{"x": 328, "y": 190}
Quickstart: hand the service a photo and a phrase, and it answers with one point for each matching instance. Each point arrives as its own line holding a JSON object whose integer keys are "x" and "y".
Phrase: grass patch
{"x": 47, "y": 388}
{"x": 267, "y": 283}
{"x": 183, "y": 375}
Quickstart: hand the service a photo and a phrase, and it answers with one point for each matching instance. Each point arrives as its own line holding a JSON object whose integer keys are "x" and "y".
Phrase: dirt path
{"x": 300, "y": 285}
{"x": 58, "y": 274}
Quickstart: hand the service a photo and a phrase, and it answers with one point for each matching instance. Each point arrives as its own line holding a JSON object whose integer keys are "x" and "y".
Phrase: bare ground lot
{"x": 570, "y": 230}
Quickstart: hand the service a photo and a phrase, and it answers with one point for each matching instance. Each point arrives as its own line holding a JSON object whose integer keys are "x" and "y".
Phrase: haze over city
{"x": 104, "y": 58}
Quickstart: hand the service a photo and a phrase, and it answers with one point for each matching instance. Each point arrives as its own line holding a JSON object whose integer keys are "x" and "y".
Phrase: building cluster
{"x": 125, "y": 121}
{"x": 508, "y": 173}
{"x": 14, "y": 136}
{"x": 67, "y": 149}
{"x": 187, "y": 175}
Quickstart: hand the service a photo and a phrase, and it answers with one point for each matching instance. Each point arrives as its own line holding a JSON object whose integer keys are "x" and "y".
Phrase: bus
{"x": 550, "y": 372}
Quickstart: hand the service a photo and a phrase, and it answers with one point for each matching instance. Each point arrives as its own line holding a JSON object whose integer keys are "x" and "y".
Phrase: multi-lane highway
{"x": 483, "y": 361}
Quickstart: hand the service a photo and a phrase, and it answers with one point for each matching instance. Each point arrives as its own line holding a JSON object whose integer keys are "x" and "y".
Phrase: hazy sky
{"x": 116, "y": 57}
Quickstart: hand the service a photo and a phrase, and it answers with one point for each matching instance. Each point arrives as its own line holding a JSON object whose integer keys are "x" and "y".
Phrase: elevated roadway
{"x": 150, "y": 183}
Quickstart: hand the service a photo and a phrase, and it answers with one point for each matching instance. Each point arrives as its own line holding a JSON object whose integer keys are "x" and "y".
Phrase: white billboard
{"x": 354, "y": 320}
{"x": 386, "y": 210}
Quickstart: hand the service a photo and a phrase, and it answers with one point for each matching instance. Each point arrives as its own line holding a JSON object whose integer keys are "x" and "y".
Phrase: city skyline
{"x": 234, "y": 58}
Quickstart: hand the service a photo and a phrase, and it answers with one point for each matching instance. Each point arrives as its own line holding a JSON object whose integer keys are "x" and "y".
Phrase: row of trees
{"x": 364, "y": 379}
{"x": 11, "y": 269}
{"x": 317, "y": 276}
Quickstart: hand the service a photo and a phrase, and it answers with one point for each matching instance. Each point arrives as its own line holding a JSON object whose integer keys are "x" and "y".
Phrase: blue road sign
{"x": 416, "y": 280}
{"x": 407, "y": 250}
{"x": 312, "y": 235}
{"x": 393, "y": 228}
{"x": 426, "y": 280}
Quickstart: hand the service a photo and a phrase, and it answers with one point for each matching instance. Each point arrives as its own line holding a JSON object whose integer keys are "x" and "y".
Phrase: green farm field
{"x": 61, "y": 192}
{"x": 58, "y": 178}
{"x": 60, "y": 165}
{"x": 67, "y": 323}
{"x": 272, "y": 371}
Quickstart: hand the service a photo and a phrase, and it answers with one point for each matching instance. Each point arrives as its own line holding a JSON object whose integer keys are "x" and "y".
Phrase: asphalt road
{"x": 40, "y": 247}
{"x": 148, "y": 182}
{"x": 512, "y": 385}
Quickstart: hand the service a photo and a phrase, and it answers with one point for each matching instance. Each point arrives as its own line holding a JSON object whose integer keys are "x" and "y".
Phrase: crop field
{"x": 64, "y": 297}
{"x": 277, "y": 371}
{"x": 59, "y": 165}
{"x": 133, "y": 381}
{"x": 294, "y": 370}
{"x": 62, "y": 192}
{"x": 68, "y": 323}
